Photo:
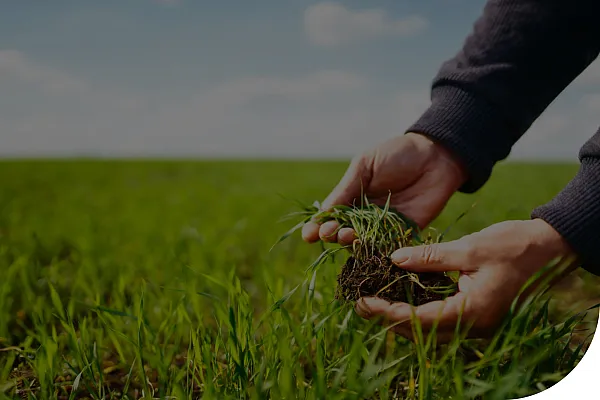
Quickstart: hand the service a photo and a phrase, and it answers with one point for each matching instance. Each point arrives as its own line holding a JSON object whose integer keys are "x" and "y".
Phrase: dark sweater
{"x": 519, "y": 57}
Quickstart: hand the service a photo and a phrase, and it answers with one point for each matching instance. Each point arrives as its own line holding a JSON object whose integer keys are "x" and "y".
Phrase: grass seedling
{"x": 369, "y": 271}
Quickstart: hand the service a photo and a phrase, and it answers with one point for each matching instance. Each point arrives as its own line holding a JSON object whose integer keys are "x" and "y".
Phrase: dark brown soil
{"x": 379, "y": 277}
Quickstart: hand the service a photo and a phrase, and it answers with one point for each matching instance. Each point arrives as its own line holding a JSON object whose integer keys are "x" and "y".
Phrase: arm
{"x": 519, "y": 57}
{"x": 575, "y": 212}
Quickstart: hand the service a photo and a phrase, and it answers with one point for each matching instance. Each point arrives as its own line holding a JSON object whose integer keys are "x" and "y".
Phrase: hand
{"x": 420, "y": 174}
{"x": 494, "y": 265}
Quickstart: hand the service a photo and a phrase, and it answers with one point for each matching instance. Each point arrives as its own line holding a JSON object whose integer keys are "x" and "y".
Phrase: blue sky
{"x": 240, "y": 78}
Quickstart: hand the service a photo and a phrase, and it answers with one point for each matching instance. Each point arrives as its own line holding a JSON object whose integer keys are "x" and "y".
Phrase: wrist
{"x": 558, "y": 258}
{"x": 548, "y": 239}
{"x": 447, "y": 160}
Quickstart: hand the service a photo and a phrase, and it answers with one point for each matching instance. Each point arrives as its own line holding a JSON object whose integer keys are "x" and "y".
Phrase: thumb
{"x": 350, "y": 186}
{"x": 435, "y": 257}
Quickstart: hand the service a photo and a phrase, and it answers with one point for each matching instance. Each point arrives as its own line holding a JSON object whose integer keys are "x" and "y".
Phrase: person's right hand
{"x": 420, "y": 174}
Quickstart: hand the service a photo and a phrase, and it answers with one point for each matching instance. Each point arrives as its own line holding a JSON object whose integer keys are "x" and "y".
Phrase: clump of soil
{"x": 379, "y": 277}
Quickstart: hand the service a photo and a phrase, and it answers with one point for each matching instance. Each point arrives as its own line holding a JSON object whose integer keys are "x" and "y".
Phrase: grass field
{"x": 155, "y": 279}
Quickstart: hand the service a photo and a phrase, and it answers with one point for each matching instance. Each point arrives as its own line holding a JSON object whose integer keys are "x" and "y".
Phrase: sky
{"x": 228, "y": 78}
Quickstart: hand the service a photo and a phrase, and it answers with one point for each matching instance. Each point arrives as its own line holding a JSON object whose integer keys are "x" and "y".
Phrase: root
{"x": 379, "y": 277}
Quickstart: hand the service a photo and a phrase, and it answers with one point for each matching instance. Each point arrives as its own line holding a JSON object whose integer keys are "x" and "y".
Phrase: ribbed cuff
{"x": 575, "y": 214}
{"x": 470, "y": 128}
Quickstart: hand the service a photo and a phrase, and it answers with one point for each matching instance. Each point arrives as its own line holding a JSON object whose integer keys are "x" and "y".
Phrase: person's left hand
{"x": 494, "y": 265}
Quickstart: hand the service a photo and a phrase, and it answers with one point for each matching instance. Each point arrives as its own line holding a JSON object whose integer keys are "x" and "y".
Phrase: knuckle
{"x": 430, "y": 254}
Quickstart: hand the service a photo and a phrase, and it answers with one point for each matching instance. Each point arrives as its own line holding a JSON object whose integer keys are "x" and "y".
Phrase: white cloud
{"x": 316, "y": 84}
{"x": 220, "y": 120}
{"x": 331, "y": 23}
{"x": 57, "y": 112}
{"x": 561, "y": 131}
{"x": 331, "y": 113}
{"x": 543, "y": 139}
{"x": 16, "y": 69}
{"x": 567, "y": 124}
{"x": 336, "y": 126}
{"x": 223, "y": 120}
{"x": 15, "y": 66}
{"x": 410, "y": 104}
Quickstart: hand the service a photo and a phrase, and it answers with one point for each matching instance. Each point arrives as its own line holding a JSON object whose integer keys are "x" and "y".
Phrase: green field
{"x": 155, "y": 279}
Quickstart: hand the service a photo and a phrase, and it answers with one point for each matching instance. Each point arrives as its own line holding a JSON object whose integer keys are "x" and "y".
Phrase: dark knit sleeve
{"x": 575, "y": 211}
{"x": 519, "y": 57}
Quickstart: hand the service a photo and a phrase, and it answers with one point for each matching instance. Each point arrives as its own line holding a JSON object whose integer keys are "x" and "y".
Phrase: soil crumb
{"x": 379, "y": 277}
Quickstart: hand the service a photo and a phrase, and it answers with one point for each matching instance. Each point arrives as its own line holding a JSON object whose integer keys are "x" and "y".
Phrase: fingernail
{"x": 374, "y": 303}
{"x": 400, "y": 256}
{"x": 362, "y": 309}
{"x": 400, "y": 314}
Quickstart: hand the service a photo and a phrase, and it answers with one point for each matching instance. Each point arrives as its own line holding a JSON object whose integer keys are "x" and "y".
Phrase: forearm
{"x": 519, "y": 57}
{"x": 575, "y": 212}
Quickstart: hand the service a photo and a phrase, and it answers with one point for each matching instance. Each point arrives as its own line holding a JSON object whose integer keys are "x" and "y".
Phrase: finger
{"x": 328, "y": 232}
{"x": 346, "y": 236}
{"x": 386, "y": 316}
{"x": 397, "y": 316}
{"x": 441, "y": 334}
{"x": 310, "y": 232}
{"x": 443, "y": 315}
{"x": 373, "y": 307}
{"x": 439, "y": 337}
{"x": 436, "y": 257}
{"x": 349, "y": 187}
